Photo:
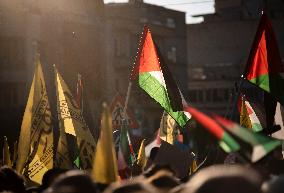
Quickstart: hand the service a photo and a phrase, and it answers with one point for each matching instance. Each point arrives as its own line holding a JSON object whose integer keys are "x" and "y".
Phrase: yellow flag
{"x": 105, "y": 163}
{"x": 193, "y": 167}
{"x": 168, "y": 128}
{"x": 141, "y": 159}
{"x": 71, "y": 122}
{"x": 14, "y": 158}
{"x": 244, "y": 116}
{"x": 62, "y": 154}
{"x": 35, "y": 148}
{"x": 6, "y": 153}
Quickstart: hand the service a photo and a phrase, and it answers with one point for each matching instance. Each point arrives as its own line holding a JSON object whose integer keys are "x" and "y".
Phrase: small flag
{"x": 35, "y": 148}
{"x": 105, "y": 163}
{"x": 126, "y": 147}
{"x": 244, "y": 116}
{"x": 250, "y": 108}
{"x": 264, "y": 67}
{"x": 225, "y": 139}
{"x": 141, "y": 159}
{"x": 73, "y": 124}
{"x": 168, "y": 129}
{"x": 154, "y": 78}
{"x": 260, "y": 145}
{"x": 193, "y": 166}
{"x": 6, "y": 154}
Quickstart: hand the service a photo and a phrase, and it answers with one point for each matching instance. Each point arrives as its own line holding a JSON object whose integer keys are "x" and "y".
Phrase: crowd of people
{"x": 216, "y": 178}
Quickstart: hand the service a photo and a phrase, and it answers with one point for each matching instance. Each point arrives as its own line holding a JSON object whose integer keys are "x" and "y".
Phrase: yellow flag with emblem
{"x": 6, "y": 153}
{"x": 35, "y": 148}
{"x": 71, "y": 122}
{"x": 141, "y": 159}
{"x": 168, "y": 128}
{"x": 244, "y": 116}
{"x": 105, "y": 162}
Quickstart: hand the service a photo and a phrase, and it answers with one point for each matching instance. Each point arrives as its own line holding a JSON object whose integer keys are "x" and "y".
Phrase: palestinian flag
{"x": 244, "y": 117}
{"x": 154, "y": 78}
{"x": 264, "y": 66}
{"x": 233, "y": 137}
{"x": 126, "y": 156}
{"x": 247, "y": 113}
{"x": 226, "y": 141}
{"x": 126, "y": 147}
{"x": 253, "y": 145}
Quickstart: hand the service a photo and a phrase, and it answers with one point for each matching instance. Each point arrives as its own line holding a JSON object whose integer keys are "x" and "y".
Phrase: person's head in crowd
{"x": 224, "y": 179}
{"x": 136, "y": 185}
{"x": 275, "y": 185}
{"x": 11, "y": 181}
{"x": 50, "y": 176}
{"x": 271, "y": 164}
{"x": 47, "y": 180}
{"x": 7, "y": 192}
{"x": 163, "y": 180}
{"x": 136, "y": 169}
{"x": 156, "y": 168}
{"x": 74, "y": 181}
{"x": 153, "y": 153}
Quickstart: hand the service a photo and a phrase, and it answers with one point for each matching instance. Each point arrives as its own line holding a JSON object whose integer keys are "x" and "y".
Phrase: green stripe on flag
{"x": 228, "y": 143}
{"x": 262, "y": 81}
{"x": 158, "y": 92}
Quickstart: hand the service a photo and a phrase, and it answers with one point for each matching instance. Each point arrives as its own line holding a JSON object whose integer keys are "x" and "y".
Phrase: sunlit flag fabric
{"x": 72, "y": 123}
{"x": 264, "y": 67}
{"x": 35, "y": 148}
{"x": 105, "y": 163}
{"x": 259, "y": 145}
{"x": 6, "y": 153}
{"x": 156, "y": 80}
{"x": 168, "y": 129}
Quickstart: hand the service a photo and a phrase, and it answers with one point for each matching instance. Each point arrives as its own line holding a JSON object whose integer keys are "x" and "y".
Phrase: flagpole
{"x": 236, "y": 97}
{"x": 127, "y": 99}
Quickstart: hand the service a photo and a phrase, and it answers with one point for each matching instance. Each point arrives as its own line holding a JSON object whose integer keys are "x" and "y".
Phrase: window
{"x": 122, "y": 45}
{"x": 170, "y": 23}
{"x": 208, "y": 94}
{"x": 200, "y": 96}
{"x": 9, "y": 95}
{"x": 172, "y": 54}
{"x": 192, "y": 95}
{"x": 12, "y": 55}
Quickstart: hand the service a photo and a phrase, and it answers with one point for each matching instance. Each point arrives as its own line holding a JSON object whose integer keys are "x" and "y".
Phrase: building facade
{"x": 87, "y": 37}
{"x": 218, "y": 49}
{"x": 66, "y": 33}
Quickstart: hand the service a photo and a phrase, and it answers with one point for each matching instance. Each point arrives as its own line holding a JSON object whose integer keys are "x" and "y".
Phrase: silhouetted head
{"x": 275, "y": 185}
{"x": 11, "y": 181}
{"x": 74, "y": 181}
{"x": 163, "y": 180}
{"x": 153, "y": 153}
{"x": 136, "y": 185}
{"x": 224, "y": 179}
{"x": 156, "y": 168}
{"x": 50, "y": 176}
